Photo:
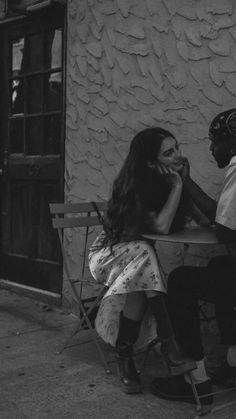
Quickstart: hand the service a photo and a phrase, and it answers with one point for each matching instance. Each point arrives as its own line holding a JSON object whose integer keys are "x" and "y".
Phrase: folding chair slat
{"x": 61, "y": 208}
{"x": 72, "y": 222}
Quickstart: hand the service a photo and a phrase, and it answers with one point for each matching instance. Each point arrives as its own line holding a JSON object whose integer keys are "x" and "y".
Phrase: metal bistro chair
{"x": 82, "y": 216}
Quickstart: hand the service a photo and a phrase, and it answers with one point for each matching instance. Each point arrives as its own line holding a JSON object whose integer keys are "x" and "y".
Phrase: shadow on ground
{"x": 36, "y": 383}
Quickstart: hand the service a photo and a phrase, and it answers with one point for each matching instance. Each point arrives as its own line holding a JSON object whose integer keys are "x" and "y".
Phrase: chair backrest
{"x": 86, "y": 211}
{"x": 72, "y": 215}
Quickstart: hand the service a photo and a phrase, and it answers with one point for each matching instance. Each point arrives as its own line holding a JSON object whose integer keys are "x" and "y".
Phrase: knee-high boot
{"x": 176, "y": 362}
{"x": 127, "y": 336}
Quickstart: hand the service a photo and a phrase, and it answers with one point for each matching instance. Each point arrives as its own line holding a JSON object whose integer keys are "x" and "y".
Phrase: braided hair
{"x": 223, "y": 126}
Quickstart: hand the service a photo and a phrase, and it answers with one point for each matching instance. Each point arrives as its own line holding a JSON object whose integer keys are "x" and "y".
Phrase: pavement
{"x": 37, "y": 383}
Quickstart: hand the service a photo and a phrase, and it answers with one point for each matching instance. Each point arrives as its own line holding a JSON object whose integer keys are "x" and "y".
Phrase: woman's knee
{"x": 135, "y": 305}
{"x": 136, "y": 299}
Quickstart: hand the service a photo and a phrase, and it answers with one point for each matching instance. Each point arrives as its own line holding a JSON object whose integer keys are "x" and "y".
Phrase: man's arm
{"x": 198, "y": 216}
{"x": 206, "y": 204}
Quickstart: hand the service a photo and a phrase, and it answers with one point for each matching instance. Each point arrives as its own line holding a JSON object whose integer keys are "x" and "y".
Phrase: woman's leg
{"x": 129, "y": 327}
{"x": 135, "y": 305}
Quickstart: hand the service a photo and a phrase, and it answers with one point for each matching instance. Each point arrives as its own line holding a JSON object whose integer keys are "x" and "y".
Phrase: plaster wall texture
{"x": 133, "y": 64}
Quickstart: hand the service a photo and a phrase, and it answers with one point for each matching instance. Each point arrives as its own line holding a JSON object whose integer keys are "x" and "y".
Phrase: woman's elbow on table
{"x": 157, "y": 224}
{"x": 160, "y": 228}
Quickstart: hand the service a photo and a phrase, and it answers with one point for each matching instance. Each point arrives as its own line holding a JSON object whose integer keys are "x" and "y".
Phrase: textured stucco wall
{"x": 132, "y": 64}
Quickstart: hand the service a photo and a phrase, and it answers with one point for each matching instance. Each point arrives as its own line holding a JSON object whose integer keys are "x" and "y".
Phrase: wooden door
{"x": 32, "y": 148}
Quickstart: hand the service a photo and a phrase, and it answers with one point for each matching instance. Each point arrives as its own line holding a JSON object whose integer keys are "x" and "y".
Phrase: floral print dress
{"x": 132, "y": 266}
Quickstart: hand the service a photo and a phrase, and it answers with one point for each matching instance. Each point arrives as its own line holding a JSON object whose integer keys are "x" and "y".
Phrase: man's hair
{"x": 223, "y": 126}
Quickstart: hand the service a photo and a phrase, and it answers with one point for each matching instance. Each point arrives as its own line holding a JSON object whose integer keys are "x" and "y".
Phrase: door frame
{"x": 5, "y": 24}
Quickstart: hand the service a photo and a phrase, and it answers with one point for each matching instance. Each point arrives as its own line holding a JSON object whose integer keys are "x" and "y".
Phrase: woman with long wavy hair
{"x": 147, "y": 196}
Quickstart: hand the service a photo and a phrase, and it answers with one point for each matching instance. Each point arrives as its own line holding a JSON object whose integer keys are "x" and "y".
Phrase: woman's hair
{"x": 135, "y": 180}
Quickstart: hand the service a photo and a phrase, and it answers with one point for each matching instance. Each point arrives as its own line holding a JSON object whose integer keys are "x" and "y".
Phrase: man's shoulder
{"x": 231, "y": 169}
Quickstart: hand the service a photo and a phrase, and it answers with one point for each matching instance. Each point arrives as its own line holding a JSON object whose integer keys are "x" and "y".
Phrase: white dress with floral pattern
{"x": 132, "y": 266}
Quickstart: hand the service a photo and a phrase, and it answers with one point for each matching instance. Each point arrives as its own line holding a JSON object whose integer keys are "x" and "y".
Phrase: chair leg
{"x": 59, "y": 352}
{"x": 78, "y": 327}
{"x": 94, "y": 338}
{"x": 195, "y": 393}
{"x": 103, "y": 359}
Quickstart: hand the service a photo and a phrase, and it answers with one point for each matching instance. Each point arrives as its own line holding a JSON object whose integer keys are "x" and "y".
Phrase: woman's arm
{"x": 206, "y": 204}
{"x": 160, "y": 223}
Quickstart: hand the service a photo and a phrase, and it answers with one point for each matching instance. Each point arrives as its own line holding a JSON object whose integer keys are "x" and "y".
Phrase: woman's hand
{"x": 173, "y": 178}
{"x": 163, "y": 220}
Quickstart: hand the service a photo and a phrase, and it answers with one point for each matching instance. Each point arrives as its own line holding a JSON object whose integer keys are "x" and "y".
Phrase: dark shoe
{"x": 177, "y": 389}
{"x": 128, "y": 375}
{"x": 224, "y": 375}
{"x": 176, "y": 362}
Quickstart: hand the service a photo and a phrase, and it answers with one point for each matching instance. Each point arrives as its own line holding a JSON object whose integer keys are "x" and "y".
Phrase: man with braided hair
{"x": 215, "y": 283}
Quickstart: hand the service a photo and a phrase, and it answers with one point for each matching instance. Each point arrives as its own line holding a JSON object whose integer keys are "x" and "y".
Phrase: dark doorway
{"x": 32, "y": 147}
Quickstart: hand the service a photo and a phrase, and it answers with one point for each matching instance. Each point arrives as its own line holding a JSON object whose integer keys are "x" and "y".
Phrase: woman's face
{"x": 170, "y": 155}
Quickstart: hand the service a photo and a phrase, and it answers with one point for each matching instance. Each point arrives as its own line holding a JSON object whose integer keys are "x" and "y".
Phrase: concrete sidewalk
{"x": 36, "y": 383}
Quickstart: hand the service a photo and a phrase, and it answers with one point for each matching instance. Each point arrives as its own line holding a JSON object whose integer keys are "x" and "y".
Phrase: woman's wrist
{"x": 178, "y": 186}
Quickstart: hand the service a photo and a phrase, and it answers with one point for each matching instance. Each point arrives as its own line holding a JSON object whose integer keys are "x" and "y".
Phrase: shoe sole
{"x": 208, "y": 400}
{"x": 131, "y": 390}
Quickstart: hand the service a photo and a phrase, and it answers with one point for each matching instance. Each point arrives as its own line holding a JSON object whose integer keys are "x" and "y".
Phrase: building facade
{"x": 131, "y": 64}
